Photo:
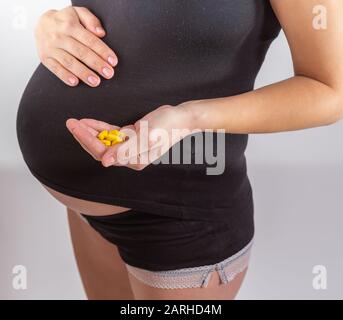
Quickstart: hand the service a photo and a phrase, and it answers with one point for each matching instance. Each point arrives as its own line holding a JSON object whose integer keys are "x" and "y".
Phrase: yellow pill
{"x": 106, "y": 142}
{"x": 119, "y": 139}
{"x": 115, "y": 132}
{"x": 118, "y": 133}
{"x": 103, "y": 134}
{"x": 116, "y": 140}
{"x": 113, "y": 137}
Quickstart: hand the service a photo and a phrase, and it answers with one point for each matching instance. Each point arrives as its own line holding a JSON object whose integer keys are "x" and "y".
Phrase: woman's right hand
{"x": 69, "y": 44}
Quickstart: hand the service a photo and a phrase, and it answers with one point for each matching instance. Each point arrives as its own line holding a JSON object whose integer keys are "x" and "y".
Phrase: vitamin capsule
{"x": 114, "y": 137}
{"x": 103, "y": 134}
{"x": 118, "y": 133}
{"x": 111, "y": 138}
{"x": 106, "y": 142}
{"x": 115, "y": 131}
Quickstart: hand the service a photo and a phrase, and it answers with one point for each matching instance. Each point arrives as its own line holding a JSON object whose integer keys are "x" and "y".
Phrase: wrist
{"x": 194, "y": 113}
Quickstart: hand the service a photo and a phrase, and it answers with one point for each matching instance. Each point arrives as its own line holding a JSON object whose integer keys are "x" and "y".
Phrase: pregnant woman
{"x": 149, "y": 229}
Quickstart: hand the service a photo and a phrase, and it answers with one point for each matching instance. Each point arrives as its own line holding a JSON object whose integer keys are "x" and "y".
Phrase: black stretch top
{"x": 169, "y": 52}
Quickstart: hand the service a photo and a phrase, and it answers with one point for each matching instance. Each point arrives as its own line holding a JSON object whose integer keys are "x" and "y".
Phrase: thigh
{"x": 215, "y": 290}
{"x": 101, "y": 268}
{"x": 103, "y": 272}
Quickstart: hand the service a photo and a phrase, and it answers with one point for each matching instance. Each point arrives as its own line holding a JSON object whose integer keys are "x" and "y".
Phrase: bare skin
{"x": 84, "y": 206}
{"x": 313, "y": 97}
{"x": 103, "y": 272}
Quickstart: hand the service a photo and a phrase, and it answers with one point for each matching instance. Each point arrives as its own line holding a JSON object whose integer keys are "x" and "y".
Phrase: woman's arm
{"x": 313, "y": 97}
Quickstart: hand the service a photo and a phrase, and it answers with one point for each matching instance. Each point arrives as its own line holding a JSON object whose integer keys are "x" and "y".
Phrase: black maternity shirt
{"x": 170, "y": 51}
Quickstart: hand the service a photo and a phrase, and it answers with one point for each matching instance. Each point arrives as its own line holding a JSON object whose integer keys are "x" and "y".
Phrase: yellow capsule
{"x": 103, "y": 134}
{"x": 106, "y": 142}
{"x": 119, "y": 139}
{"x": 114, "y": 142}
{"x": 122, "y": 135}
{"x": 112, "y": 137}
{"x": 118, "y": 133}
{"x": 115, "y": 131}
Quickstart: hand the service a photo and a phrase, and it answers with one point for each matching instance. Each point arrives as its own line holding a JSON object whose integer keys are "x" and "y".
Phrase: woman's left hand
{"x": 148, "y": 139}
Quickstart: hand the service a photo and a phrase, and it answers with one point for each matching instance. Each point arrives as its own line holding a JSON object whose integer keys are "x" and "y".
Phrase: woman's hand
{"x": 148, "y": 139}
{"x": 69, "y": 45}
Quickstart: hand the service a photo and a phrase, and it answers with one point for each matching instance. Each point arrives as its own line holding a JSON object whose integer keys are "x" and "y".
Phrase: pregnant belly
{"x": 57, "y": 160}
{"x": 162, "y": 60}
{"x": 47, "y": 103}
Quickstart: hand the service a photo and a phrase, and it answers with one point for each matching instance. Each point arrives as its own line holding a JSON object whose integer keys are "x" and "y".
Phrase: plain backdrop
{"x": 296, "y": 177}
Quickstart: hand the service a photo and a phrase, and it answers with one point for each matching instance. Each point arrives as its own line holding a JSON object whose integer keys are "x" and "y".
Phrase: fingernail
{"x": 72, "y": 80}
{"x": 113, "y": 61}
{"x": 107, "y": 72}
{"x": 99, "y": 30}
{"x": 93, "y": 80}
{"x": 71, "y": 124}
{"x": 109, "y": 162}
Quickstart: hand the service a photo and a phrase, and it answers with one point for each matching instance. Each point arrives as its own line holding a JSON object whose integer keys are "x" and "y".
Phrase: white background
{"x": 296, "y": 177}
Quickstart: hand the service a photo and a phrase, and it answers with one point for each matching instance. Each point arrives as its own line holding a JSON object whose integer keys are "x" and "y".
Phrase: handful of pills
{"x": 112, "y": 137}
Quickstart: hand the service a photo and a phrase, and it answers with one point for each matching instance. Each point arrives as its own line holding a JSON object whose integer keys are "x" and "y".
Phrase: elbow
{"x": 335, "y": 113}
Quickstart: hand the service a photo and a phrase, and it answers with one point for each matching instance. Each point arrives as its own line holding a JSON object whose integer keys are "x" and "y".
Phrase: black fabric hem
{"x": 204, "y": 262}
{"x": 165, "y": 209}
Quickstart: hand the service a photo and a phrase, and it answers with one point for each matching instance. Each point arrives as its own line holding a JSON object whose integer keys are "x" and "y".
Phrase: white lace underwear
{"x": 194, "y": 277}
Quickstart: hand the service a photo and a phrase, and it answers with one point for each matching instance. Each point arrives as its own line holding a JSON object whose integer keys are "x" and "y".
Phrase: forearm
{"x": 293, "y": 104}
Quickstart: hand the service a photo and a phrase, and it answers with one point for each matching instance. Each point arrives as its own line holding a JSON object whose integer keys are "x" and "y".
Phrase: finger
{"x": 137, "y": 142}
{"x": 92, "y": 131}
{"x": 91, "y": 143}
{"x": 87, "y": 56}
{"x": 132, "y": 143}
{"x": 140, "y": 162}
{"x": 126, "y": 155}
{"x": 97, "y": 45}
{"x": 85, "y": 148}
{"x": 150, "y": 150}
{"x": 76, "y": 67}
{"x": 143, "y": 159}
{"x": 98, "y": 125}
{"x": 118, "y": 154}
{"x": 82, "y": 145}
{"x": 137, "y": 152}
{"x": 136, "y": 167}
{"x": 154, "y": 154}
{"x": 58, "y": 70}
{"x": 90, "y": 21}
